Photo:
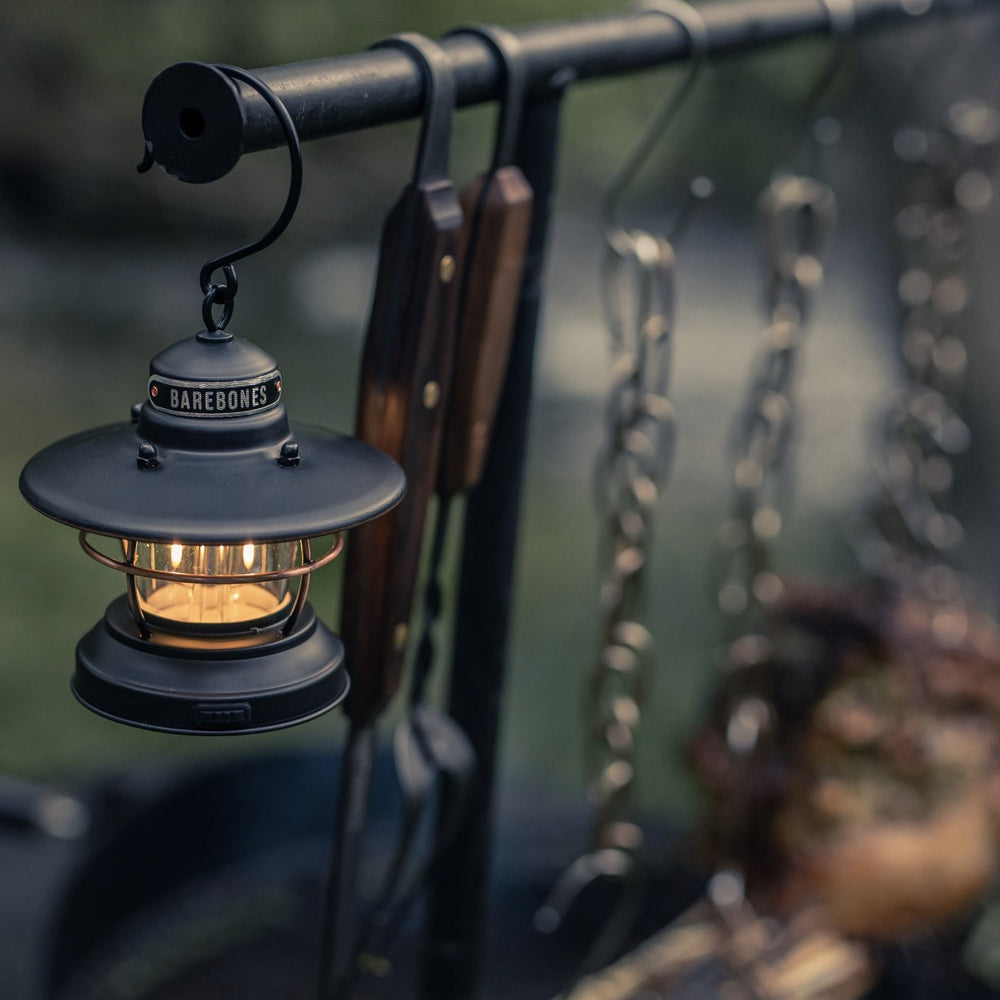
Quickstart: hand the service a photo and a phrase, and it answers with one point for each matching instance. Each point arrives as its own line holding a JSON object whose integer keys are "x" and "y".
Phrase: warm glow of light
{"x": 244, "y": 604}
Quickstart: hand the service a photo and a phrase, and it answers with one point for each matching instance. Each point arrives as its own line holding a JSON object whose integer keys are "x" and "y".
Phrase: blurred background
{"x": 100, "y": 271}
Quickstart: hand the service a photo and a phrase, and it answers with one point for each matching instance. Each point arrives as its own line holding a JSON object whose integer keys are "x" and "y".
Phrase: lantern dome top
{"x": 210, "y": 457}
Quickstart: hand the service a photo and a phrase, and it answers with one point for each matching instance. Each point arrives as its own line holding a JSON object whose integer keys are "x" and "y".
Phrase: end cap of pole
{"x": 194, "y": 121}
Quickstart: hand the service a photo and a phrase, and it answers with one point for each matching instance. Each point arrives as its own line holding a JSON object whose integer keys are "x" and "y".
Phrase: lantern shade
{"x": 210, "y": 458}
{"x": 92, "y": 481}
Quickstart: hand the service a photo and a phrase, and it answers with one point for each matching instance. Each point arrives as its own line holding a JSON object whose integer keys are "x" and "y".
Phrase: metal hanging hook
{"x": 508, "y": 50}
{"x": 225, "y": 294}
{"x": 841, "y": 16}
{"x": 439, "y": 103}
{"x": 694, "y": 26}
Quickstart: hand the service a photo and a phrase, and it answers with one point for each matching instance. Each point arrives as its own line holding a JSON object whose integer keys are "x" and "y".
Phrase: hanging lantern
{"x": 209, "y": 503}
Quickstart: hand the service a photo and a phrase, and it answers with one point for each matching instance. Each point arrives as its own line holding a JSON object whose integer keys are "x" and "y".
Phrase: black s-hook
{"x": 507, "y": 49}
{"x": 224, "y": 294}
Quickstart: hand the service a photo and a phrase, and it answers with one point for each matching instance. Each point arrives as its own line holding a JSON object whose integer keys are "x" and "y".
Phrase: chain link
{"x": 637, "y": 291}
{"x": 798, "y": 216}
{"x": 638, "y": 286}
{"x": 631, "y": 469}
{"x": 219, "y": 295}
{"x": 909, "y": 535}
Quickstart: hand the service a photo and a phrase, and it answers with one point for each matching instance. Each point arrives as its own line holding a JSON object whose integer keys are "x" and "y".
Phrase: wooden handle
{"x": 498, "y": 218}
{"x": 405, "y": 373}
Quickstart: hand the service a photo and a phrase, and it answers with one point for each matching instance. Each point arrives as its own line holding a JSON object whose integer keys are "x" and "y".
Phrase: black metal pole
{"x": 459, "y": 893}
{"x": 198, "y": 123}
{"x": 337, "y": 950}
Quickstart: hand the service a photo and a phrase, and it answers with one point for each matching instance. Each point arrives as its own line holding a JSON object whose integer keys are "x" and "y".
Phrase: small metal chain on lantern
{"x": 911, "y": 536}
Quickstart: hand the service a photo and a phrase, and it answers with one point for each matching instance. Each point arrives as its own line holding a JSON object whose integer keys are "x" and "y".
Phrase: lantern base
{"x": 208, "y": 691}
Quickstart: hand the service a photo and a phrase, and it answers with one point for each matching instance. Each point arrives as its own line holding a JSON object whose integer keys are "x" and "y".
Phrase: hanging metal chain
{"x": 638, "y": 295}
{"x": 798, "y": 215}
{"x": 638, "y": 287}
{"x": 912, "y": 537}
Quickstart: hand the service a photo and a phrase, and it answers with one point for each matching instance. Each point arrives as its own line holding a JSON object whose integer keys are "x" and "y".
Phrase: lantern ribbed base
{"x": 209, "y": 690}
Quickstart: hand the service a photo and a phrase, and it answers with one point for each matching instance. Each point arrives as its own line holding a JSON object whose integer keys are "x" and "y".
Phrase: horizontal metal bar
{"x": 197, "y": 123}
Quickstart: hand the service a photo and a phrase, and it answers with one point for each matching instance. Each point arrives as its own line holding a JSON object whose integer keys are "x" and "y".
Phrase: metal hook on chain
{"x": 225, "y": 294}
{"x": 693, "y": 24}
{"x": 841, "y": 16}
{"x": 798, "y": 216}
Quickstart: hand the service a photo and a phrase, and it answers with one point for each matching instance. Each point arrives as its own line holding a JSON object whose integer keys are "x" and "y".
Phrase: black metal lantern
{"x": 213, "y": 500}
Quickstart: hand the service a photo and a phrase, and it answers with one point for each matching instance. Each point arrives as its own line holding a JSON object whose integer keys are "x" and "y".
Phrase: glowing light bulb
{"x": 238, "y": 603}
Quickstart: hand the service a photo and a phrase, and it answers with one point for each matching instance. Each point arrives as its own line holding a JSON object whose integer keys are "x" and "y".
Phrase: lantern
{"x": 209, "y": 503}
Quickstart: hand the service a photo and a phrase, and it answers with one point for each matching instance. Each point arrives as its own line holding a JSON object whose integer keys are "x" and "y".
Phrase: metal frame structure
{"x": 198, "y": 129}
{"x": 199, "y": 133}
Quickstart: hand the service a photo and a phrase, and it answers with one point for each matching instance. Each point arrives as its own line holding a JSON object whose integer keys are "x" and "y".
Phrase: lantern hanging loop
{"x": 693, "y": 24}
{"x": 225, "y": 294}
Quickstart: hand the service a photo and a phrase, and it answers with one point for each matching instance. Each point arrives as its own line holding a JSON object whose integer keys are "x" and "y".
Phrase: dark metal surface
{"x": 197, "y": 476}
{"x": 404, "y": 388}
{"x": 92, "y": 481}
{"x": 204, "y": 691}
{"x": 333, "y": 487}
{"x": 206, "y": 477}
{"x": 197, "y": 126}
{"x": 459, "y": 912}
